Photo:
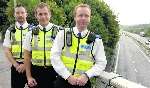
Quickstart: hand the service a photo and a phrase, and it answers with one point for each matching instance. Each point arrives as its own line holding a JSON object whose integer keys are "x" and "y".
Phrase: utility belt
{"x": 41, "y": 67}
{"x": 40, "y": 62}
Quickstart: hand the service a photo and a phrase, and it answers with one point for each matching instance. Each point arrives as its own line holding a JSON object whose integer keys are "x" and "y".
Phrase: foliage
{"x": 3, "y": 17}
{"x": 103, "y": 21}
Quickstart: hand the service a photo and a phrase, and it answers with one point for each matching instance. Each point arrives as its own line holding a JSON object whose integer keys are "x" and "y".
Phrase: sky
{"x": 131, "y": 12}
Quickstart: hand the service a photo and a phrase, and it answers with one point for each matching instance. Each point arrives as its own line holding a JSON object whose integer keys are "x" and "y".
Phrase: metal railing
{"x": 112, "y": 80}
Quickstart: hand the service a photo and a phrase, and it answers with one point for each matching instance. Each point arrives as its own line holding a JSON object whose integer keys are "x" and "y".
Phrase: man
{"x": 13, "y": 47}
{"x": 37, "y": 47}
{"x": 78, "y": 54}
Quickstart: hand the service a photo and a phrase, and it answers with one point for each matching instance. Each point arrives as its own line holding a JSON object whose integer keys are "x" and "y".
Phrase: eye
{"x": 17, "y": 12}
{"x": 40, "y": 14}
{"x": 45, "y": 13}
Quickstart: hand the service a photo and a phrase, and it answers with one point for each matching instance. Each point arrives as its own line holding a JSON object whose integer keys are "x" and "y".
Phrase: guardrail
{"x": 112, "y": 80}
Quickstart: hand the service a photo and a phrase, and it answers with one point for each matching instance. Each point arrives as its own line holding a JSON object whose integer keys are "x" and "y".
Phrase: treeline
{"x": 138, "y": 28}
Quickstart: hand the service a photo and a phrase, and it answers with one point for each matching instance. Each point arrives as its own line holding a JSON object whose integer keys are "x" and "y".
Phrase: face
{"x": 20, "y": 14}
{"x": 43, "y": 16}
{"x": 82, "y": 17}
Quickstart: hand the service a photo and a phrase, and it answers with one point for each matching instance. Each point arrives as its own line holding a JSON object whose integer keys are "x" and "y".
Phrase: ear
{"x": 35, "y": 15}
{"x": 14, "y": 14}
{"x": 74, "y": 18}
{"x": 26, "y": 14}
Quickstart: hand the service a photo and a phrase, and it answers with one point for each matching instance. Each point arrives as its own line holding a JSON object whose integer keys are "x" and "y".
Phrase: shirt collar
{"x": 25, "y": 25}
{"x": 83, "y": 33}
{"x": 48, "y": 27}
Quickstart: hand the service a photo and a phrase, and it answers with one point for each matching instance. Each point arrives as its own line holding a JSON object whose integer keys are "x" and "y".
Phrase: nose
{"x": 20, "y": 14}
{"x": 83, "y": 18}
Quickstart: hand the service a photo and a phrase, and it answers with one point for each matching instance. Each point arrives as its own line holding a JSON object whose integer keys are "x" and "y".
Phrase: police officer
{"x": 37, "y": 48}
{"x": 78, "y": 54}
{"x": 13, "y": 47}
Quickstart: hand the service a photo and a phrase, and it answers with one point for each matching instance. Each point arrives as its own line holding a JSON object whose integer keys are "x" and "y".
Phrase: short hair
{"x": 41, "y": 5}
{"x": 81, "y": 5}
{"x": 20, "y": 5}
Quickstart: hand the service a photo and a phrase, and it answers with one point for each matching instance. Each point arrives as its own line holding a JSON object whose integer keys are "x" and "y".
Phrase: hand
{"x": 72, "y": 80}
{"x": 82, "y": 80}
{"x": 21, "y": 68}
{"x": 31, "y": 82}
{"x": 16, "y": 65}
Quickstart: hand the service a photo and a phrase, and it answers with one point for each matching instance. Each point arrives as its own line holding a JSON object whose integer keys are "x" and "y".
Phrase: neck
{"x": 44, "y": 25}
{"x": 81, "y": 29}
{"x": 21, "y": 23}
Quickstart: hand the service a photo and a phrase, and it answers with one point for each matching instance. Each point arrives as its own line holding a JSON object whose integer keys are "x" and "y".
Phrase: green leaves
{"x": 103, "y": 21}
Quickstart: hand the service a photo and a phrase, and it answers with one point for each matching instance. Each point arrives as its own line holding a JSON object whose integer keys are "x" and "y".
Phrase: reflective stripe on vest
{"x": 38, "y": 48}
{"x": 16, "y": 42}
{"x": 84, "y": 62}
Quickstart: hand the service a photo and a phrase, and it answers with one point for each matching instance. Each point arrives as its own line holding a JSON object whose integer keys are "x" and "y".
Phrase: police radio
{"x": 54, "y": 32}
{"x": 91, "y": 38}
{"x": 69, "y": 38}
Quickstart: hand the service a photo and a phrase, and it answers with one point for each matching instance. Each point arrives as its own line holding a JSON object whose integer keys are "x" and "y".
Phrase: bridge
{"x": 132, "y": 66}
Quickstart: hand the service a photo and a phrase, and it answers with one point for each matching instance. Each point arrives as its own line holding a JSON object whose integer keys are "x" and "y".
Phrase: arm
{"x": 10, "y": 57}
{"x": 27, "y": 62}
{"x": 7, "y": 49}
{"x": 99, "y": 66}
{"x": 56, "y": 56}
{"x": 27, "y": 59}
{"x": 100, "y": 59}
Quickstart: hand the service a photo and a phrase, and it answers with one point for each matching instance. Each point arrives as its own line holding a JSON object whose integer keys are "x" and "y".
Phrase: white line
{"x": 149, "y": 61}
{"x": 135, "y": 70}
{"x": 143, "y": 53}
{"x": 133, "y": 62}
{"x": 117, "y": 58}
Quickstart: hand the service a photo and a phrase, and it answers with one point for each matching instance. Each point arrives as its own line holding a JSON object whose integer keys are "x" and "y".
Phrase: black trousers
{"x": 18, "y": 80}
{"x": 44, "y": 76}
{"x": 62, "y": 83}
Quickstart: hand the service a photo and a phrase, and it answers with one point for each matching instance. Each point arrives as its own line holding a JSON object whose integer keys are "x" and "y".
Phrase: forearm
{"x": 60, "y": 67}
{"x": 27, "y": 62}
{"x": 10, "y": 57}
{"x": 100, "y": 59}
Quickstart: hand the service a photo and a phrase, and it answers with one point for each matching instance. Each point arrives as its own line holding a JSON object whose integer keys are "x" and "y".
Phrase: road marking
{"x": 149, "y": 61}
{"x": 135, "y": 70}
{"x": 133, "y": 62}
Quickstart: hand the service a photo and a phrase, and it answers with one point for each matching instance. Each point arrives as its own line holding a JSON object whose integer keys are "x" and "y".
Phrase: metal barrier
{"x": 112, "y": 80}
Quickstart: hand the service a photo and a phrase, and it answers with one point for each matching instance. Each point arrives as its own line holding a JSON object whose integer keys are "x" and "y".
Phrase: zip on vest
{"x": 76, "y": 55}
{"x": 44, "y": 30}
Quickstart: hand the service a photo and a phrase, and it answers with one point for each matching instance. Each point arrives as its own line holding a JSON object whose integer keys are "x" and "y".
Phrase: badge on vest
{"x": 85, "y": 47}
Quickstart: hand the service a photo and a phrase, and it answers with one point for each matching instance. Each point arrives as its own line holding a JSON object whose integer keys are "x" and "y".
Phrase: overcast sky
{"x": 131, "y": 12}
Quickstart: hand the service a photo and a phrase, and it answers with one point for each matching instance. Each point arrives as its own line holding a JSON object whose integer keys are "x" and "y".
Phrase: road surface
{"x": 133, "y": 64}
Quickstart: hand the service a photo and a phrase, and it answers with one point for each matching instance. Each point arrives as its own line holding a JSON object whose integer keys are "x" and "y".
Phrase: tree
{"x": 103, "y": 21}
{"x": 30, "y": 9}
{"x": 3, "y": 17}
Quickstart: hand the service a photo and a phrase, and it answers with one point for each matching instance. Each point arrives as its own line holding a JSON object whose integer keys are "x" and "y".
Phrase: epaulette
{"x": 98, "y": 36}
{"x": 30, "y": 27}
{"x": 35, "y": 30}
{"x": 57, "y": 27}
{"x": 61, "y": 28}
{"x": 91, "y": 37}
{"x": 12, "y": 28}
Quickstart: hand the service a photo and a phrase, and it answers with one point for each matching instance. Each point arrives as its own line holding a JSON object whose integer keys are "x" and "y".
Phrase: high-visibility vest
{"x": 17, "y": 41}
{"x": 41, "y": 47}
{"x": 85, "y": 58}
